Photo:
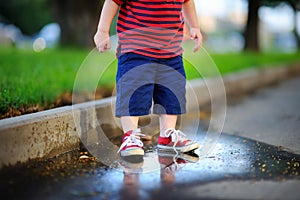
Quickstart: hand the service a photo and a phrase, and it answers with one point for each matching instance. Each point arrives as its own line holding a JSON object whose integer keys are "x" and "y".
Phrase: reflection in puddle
{"x": 233, "y": 158}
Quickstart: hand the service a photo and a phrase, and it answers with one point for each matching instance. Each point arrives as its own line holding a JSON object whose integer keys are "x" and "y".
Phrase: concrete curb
{"x": 53, "y": 132}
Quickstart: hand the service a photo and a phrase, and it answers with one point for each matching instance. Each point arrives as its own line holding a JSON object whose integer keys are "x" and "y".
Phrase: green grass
{"x": 232, "y": 62}
{"x": 28, "y": 78}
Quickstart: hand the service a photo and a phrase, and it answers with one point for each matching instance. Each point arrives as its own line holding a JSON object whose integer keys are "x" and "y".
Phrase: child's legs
{"x": 129, "y": 123}
{"x": 169, "y": 92}
{"x": 166, "y": 122}
{"x": 135, "y": 85}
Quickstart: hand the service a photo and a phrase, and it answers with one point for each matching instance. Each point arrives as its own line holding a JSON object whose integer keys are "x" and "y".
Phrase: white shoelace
{"x": 133, "y": 139}
{"x": 176, "y": 136}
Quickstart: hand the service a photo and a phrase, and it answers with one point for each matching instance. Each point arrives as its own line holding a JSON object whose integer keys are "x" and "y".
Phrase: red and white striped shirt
{"x": 152, "y": 28}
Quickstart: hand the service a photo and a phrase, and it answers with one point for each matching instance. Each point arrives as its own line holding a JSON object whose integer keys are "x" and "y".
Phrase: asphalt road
{"x": 271, "y": 115}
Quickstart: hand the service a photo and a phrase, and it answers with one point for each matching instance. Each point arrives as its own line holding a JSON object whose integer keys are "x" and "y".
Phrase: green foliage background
{"x": 29, "y": 15}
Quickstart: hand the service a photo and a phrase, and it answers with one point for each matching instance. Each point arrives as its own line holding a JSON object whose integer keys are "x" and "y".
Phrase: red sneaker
{"x": 132, "y": 144}
{"x": 176, "y": 141}
{"x": 170, "y": 163}
{"x": 166, "y": 158}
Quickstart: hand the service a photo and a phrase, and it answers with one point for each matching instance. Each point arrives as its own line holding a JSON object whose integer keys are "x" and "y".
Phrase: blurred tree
{"x": 78, "y": 20}
{"x": 252, "y": 26}
{"x": 29, "y": 15}
{"x": 251, "y": 31}
{"x": 295, "y": 5}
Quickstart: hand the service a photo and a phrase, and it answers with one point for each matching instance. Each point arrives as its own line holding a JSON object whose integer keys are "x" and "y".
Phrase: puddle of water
{"x": 77, "y": 174}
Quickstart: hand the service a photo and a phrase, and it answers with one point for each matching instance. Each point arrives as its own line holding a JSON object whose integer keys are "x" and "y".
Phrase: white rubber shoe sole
{"x": 183, "y": 149}
{"x": 132, "y": 152}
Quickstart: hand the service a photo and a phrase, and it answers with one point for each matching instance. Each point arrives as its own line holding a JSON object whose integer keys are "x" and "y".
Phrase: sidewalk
{"x": 271, "y": 115}
{"x": 257, "y": 157}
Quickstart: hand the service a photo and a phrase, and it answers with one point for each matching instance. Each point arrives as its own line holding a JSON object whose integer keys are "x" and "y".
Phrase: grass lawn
{"x": 30, "y": 79}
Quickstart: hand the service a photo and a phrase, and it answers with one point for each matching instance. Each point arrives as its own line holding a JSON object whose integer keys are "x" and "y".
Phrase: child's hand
{"x": 102, "y": 41}
{"x": 197, "y": 37}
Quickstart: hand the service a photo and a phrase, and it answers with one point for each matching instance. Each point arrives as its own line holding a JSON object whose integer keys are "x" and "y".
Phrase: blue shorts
{"x": 144, "y": 81}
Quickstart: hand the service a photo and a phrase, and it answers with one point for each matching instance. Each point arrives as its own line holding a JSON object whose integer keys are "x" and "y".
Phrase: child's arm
{"x": 101, "y": 37}
{"x": 190, "y": 15}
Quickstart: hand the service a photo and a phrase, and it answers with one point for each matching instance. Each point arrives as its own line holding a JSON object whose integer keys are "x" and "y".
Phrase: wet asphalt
{"x": 244, "y": 163}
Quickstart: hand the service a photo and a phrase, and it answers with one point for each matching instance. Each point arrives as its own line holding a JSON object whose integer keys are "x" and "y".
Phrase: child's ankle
{"x": 164, "y": 133}
{"x": 137, "y": 130}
